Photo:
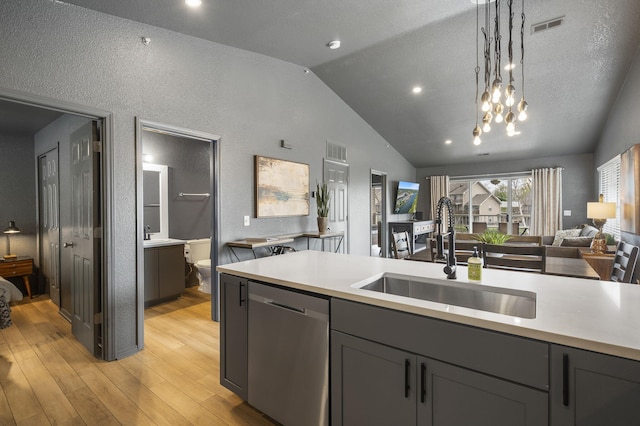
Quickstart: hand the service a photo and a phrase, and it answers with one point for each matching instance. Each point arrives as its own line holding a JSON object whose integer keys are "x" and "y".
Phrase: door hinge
{"x": 97, "y": 232}
{"x": 97, "y": 146}
{"x": 97, "y": 318}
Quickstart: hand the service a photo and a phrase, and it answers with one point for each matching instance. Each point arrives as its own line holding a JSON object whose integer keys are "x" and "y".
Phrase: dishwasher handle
{"x": 307, "y": 309}
{"x": 291, "y": 308}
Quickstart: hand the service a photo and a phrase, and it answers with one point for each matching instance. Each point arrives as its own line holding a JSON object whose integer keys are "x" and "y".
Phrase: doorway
{"x": 378, "y": 213}
{"x": 48, "y": 127}
{"x": 184, "y": 165}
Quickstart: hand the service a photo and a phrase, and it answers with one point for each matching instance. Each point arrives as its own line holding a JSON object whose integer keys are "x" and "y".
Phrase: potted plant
{"x": 322, "y": 203}
{"x": 492, "y": 236}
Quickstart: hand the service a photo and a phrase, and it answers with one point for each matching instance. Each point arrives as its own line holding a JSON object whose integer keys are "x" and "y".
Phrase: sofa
{"x": 566, "y": 242}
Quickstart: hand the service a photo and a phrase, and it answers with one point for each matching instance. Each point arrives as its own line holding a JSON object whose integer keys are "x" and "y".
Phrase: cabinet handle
{"x": 407, "y": 377}
{"x": 565, "y": 380}
{"x": 65, "y": 245}
{"x": 423, "y": 382}
{"x": 240, "y": 294}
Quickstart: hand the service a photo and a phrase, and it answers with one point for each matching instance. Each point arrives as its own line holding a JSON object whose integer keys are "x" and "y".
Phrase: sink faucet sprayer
{"x": 450, "y": 269}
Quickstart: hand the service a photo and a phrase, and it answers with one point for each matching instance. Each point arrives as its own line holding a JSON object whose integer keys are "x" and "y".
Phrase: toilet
{"x": 198, "y": 253}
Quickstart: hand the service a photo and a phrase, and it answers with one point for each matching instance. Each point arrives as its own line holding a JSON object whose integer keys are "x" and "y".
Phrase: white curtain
{"x": 439, "y": 188}
{"x": 546, "y": 217}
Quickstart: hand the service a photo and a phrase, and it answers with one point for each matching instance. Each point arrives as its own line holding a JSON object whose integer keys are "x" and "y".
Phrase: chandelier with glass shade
{"x": 498, "y": 100}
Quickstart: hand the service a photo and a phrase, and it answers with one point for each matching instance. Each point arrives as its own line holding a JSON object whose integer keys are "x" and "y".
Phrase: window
{"x": 610, "y": 189}
{"x": 500, "y": 202}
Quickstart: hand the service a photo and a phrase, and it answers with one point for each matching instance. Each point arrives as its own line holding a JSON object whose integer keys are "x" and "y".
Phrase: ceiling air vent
{"x": 336, "y": 152}
{"x": 546, "y": 25}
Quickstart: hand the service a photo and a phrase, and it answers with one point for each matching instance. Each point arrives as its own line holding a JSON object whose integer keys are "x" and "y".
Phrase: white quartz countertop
{"x": 161, "y": 242}
{"x": 601, "y": 316}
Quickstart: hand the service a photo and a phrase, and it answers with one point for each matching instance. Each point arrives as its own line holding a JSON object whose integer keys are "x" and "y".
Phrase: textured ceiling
{"x": 573, "y": 73}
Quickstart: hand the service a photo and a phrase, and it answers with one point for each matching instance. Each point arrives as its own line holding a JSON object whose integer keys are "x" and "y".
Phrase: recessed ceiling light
{"x": 417, "y": 89}
{"x": 335, "y": 44}
{"x": 193, "y": 3}
{"x": 448, "y": 141}
{"x": 509, "y": 67}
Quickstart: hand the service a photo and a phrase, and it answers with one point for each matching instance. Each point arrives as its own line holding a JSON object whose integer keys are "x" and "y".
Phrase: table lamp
{"x": 11, "y": 229}
{"x": 599, "y": 212}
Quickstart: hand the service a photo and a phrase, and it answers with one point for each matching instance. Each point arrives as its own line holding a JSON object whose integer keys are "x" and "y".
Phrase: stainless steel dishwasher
{"x": 288, "y": 355}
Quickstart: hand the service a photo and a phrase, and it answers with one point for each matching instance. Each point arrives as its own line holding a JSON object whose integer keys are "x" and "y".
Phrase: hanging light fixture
{"x": 476, "y": 130}
{"x": 492, "y": 104}
{"x": 522, "y": 105}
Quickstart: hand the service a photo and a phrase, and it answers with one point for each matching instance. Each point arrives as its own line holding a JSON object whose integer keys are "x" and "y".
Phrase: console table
{"x": 418, "y": 232}
{"x": 339, "y": 236}
{"x": 273, "y": 245}
{"x": 22, "y": 266}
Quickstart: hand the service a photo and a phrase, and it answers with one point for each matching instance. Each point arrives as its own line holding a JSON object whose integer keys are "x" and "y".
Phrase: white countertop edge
{"x": 162, "y": 242}
{"x": 577, "y": 329}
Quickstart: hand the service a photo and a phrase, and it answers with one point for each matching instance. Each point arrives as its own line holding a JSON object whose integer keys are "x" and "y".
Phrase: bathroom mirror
{"x": 155, "y": 187}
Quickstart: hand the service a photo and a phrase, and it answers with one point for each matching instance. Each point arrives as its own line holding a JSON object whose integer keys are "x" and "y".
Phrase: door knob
{"x": 65, "y": 245}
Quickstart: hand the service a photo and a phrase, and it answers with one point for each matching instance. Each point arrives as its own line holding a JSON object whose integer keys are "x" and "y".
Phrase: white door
{"x": 84, "y": 243}
{"x": 337, "y": 177}
{"x": 49, "y": 214}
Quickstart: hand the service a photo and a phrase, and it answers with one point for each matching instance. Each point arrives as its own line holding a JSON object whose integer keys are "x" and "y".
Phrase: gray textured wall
{"x": 577, "y": 180}
{"x": 623, "y": 130}
{"x": 623, "y": 125}
{"x": 71, "y": 54}
{"x": 189, "y": 162}
{"x": 18, "y": 193}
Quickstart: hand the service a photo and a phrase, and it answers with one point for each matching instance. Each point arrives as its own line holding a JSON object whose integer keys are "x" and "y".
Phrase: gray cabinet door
{"x": 372, "y": 384}
{"x": 151, "y": 274}
{"x": 593, "y": 389}
{"x": 457, "y": 396}
{"x": 233, "y": 334}
{"x": 171, "y": 271}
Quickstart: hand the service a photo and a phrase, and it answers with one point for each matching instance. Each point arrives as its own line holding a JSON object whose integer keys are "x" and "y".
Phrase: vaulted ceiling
{"x": 573, "y": 72}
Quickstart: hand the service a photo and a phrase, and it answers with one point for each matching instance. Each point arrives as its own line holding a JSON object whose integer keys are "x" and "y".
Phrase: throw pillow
{"x": 564, "y": 233}
{"x": 588, "y": 231}
{"x": 576, "y": 242}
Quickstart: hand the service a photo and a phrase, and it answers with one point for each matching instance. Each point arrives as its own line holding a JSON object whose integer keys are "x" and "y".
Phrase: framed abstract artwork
{"x": 282, "y": 187}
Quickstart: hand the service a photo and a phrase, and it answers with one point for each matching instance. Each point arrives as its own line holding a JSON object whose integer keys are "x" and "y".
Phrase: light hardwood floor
{"x": 47, "y": 377}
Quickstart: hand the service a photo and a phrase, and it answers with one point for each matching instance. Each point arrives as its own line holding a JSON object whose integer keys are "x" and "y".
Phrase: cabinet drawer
{"x": 18, "y": 268}
{"x": 510, "y": 357}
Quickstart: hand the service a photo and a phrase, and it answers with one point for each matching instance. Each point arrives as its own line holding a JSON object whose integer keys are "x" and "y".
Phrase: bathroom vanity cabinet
{"x": 164, "y": 273}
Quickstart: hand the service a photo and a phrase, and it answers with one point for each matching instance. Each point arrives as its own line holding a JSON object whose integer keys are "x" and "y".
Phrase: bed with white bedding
{"x": 8, "y": 293}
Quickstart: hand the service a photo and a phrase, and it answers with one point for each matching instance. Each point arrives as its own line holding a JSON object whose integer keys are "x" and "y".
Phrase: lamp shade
{"x": 12, "y": 228}
{"x": 598, "y": 210}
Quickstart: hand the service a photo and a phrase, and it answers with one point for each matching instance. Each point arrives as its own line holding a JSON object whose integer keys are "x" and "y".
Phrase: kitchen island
{"x": 541, "y": 370}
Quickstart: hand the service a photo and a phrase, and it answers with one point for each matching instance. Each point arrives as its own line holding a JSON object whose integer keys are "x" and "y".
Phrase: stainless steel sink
{"x": 506, "y": 301}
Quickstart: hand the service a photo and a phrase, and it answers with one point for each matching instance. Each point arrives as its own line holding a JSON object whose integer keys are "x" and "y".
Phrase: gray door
{"x": 337, "y": 177}
{"x": 84, "y": 241}
{"x": 372, "y": 384}
{"x": 457, "y": 396}
{"x": 49, "y": 219}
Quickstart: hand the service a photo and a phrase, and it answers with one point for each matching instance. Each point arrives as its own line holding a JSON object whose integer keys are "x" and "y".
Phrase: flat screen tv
{"x": 407, "y": 197}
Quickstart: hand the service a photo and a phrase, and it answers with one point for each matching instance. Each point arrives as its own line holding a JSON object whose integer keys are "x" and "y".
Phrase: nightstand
{"x": 601, "y": 262}
{"x": 22, "y": 266}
